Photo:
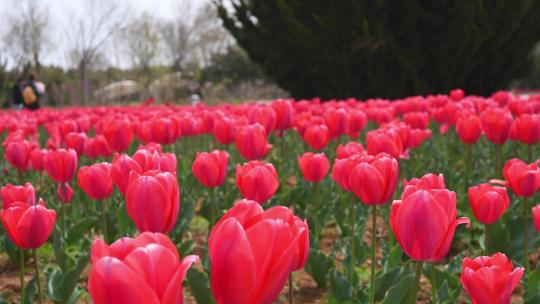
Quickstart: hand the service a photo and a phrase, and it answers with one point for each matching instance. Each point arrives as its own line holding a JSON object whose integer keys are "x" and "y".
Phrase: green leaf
{"x": 318, "y": 266}
{"x": 61, "y": 285}
{"x": 200, "y": 286}
{"x": 340, "y": 286}
{"x": 77, "y": 231}
{"x": 533, "y": 281}
{"x": 400, "y": 292}
{"x": 30, "y": 291}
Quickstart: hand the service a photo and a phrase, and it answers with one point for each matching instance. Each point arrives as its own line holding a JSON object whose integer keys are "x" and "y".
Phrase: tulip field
{"x": 425, "y": 199}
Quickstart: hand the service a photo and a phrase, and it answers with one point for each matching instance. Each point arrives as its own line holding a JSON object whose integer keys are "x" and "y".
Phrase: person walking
{"x": 16, "y": 94}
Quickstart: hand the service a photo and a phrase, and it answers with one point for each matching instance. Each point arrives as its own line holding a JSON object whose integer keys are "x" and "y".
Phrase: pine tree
{"x": 386, "y": 48}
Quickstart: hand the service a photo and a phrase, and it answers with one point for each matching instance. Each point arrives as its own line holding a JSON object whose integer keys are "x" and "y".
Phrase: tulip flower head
{"x": 424, "y": 222}
{"x": 488, "y": 202}
{"x": 146, "y": 269}
{"x": 210, "y": 169}
{"x": 96, "y": 181}
{"x": 252, "y": 252}
{"x": 61, "y": 164}
{"x": 522, "y": 178}
{"x": 12, "y": 193}
{"x": 252, "y": 142}
{"x": 257, "y": 180}
{"x": 490, "y": 279}
{"x": 536, "y": 217}
{"x": 374, "y": 179}
{"x": 314, "y": 167}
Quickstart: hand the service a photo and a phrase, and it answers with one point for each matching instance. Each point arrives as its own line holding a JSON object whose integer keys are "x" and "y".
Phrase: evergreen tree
{"x": 384, "y": 48}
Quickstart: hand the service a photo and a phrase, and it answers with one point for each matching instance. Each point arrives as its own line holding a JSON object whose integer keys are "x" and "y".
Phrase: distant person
{"x": 32, "y": 92}
{"x": 16, "y": 94}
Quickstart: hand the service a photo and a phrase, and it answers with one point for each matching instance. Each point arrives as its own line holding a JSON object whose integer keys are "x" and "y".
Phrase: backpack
{"x": 29, "y": 95}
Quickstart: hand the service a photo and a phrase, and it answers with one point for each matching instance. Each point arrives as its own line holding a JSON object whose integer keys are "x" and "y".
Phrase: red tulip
{"x": 314, "y": 167}
{"x": 18, "y": 154}
{"x": 96, "y": 181}
{"x": 122, "y": 165}
{"x": 155, "y": 160}
{"x": 12, "y": 194}
{"x": 252, "y": 141}
{"x": 317, "y": 136}
{"x": 153, "y": 201}
{"x": 36, "y": 159}
{"x": 468, "y": 129}
{"x": 417, "y": 120}
{"x": 64, "y": 193}
{"x": 457, "y": 94}
{"x": 257, "y": 180}
{"x": 490, "y": 280}
{"x": 252, "y": 252}
{"x": 284, "y": 113}
{"x": 118, "y": 133}
{"x": 349, "y": 149}
{"x": 97, "y": 147}
{"x": 76, "y": 141}
{"x": 210, "y": 169}
{"x": 357, "y": 121}
{"x": 523, "y": 179}
{"x": 488, "y": 202}
{"x": 379, "y": 141}
{"x": 527, "y": 128}
{"x": 266, "y": 116}
{"x": 336, "y": 121}
{"x": 428, "y": 181}
{"x": 146, "y": 269}
{"x": 416, "y": 137}
{"x": 28, "y": 225}
{"x": 61, "y": 164}
{"x": 374, "y": 179}
{"x": 536, "y": 217}
{"x": 424, "y": 222}
{"x": 496, "y": 123}
{"x": 224, "y": 131}
{"x": 343, "y": 168}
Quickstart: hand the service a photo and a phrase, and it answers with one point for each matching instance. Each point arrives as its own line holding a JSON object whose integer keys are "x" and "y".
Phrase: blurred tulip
{"x": 488, "y": 202}
{"x": 424, "y": 222}
{"x": 496, "y": 123}
{"x": 61, "y": 164}
{"x": 527, "y": 128}
{"x": 28, "y": 225}
{"x": 257, "y": 180}
{"x": 428, "y": 181}
{"x": 342, "y": 170}
{"x": 12, "y": 193}
{"x": 76, "y": 141}
{"x": 317, "y": 136}
{"x": 381, "y": 141}
{"x": 18, "y": 154}
{"x": 490, "y": 280}
{"x": 314, "y": 167}
{"x": 153, "y": 201}
{"x": 337, "y": 122}
{"x": 523, "y": 179}
{"x": 119, "y": 134}
{"x": 155, "y": 160}
{"x": 536, "y": 217}
{"x": 224, "y": 131}
{"x": 351, "y": 148}
{"x": 36, "y": 159}
{"x": 266, "y": 116}
{"x": 284, "y": 113}
{"x": 122, "y": 165}
{"x": 252, "y": 142}
{"x": 356, "y": 123}
{"x": 374, "y": 179}
{"x": 468, "y": 129}
{"x": 417, "y": 120}
{"x": 210, "y": 169}
{"x": 252, "y": 252}
{"x": 97, "y": 147}
{"x": 146, "y": 269}
{"x": 64, "y": 193}
{"x": 96, "y": 181}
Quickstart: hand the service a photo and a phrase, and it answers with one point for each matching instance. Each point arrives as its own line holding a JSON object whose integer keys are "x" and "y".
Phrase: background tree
{"x": 89, "y": 33}
{"x": 28, "y": 29}
{"x": 366, "y": 48}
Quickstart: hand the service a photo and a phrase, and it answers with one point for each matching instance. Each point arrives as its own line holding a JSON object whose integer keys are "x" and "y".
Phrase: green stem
{"x": 529, "y": 153}
{"x": 416, "y": 285}
{"x": 21, "y": 273}
{"x": 353, "y": 245}
{"x": 315, "y": 202}
{"x": 104, "y": 221}
{"x": 526, "y": 234}
{"x": 486, "y": 239}
{"x": 212, "y": 207}
{"x": 291, "y": 290}
{"x": 497, "y": 160}
{"x": 433, "y": 284}
{"x": 373, "y": 253}
{"x": 63, "y": 210}
{"x": 36, "y": 263}
{"x": 469, "y": 165}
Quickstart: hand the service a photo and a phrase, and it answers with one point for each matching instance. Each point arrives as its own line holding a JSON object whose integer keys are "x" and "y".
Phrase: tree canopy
{"x": 383, "y": 48}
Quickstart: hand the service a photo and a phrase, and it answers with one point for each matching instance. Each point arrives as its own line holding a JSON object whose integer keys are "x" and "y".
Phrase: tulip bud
{"x": 210, "y": 169}
{"x": 257, "y": 180}
{"x": 314, "y": 167}
{"x": 488, "y": 202}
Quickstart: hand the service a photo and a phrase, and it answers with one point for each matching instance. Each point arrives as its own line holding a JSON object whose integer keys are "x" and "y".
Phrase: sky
{"x": 62, "y": 10}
